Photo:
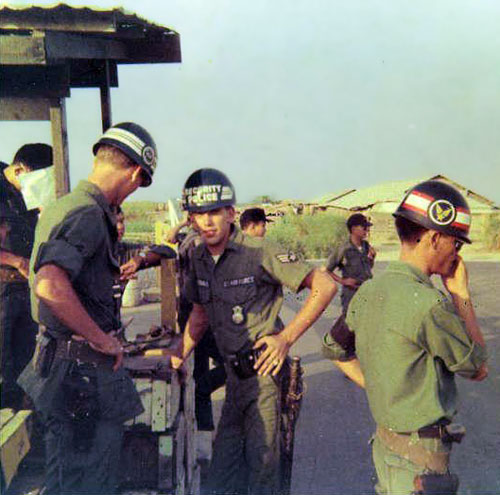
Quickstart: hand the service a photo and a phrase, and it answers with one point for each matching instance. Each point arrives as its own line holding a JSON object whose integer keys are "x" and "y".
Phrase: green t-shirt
{"x": 243, "y": 292}
{"x": 410, "y": 342}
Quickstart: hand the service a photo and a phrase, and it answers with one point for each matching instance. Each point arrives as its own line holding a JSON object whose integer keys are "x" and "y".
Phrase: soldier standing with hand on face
{"x": 236, "y": 287}
{"x": 411, "y": 340}
{"x": 75, "y": 378}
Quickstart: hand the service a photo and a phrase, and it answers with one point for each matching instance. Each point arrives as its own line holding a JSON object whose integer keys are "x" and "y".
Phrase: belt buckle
{"x": 442, "y": 431}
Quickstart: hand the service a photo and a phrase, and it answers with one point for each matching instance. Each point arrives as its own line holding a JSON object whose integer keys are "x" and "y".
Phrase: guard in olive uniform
{"x": 236, "y": 286}
{"x": 411, "y": 340}
{"x": 75, "y": 378}
{"x": 17, "y": 231}
{"x": 354, "y": 258}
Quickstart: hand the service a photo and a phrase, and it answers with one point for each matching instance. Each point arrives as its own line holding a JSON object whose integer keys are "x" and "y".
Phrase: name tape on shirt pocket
{"x": 202, "y": 283}
{"x": 239, "y": 281}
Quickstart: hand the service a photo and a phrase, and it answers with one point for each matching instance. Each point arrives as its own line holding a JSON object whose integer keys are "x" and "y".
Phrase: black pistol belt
{"x": 433, "y": 431}
{"x": 80, "y": 351}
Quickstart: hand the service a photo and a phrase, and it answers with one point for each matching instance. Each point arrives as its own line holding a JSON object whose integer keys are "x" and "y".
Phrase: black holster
{"x": 242, "y": 363}
{"x": 81, "y": 405}
{"x": 436, "y": 484}
{"x": 344, "y": 337}
{"x": 45, "y": 351}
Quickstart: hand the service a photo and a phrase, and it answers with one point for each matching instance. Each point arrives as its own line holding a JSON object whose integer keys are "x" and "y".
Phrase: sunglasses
{"x": 458, "y": 245}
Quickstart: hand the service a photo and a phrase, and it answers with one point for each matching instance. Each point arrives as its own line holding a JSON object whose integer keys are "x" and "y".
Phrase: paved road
{"x": 332, "y": 455}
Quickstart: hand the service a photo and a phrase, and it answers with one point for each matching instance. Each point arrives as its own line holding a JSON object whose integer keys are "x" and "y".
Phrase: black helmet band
{"x": 207, "y": 196}
{"x": 207, "y": 189}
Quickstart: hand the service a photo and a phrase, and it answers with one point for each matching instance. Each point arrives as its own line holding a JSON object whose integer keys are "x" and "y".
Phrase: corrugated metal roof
{"x": 44, "y": 51}
{"x": 386, "y": 196}
{"x": 62, "y": 17}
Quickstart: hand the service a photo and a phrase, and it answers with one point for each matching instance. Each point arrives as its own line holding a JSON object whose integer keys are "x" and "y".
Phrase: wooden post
{"x": 168, "y": 290}
{"x": 105, "y": 99}
{"x": 60, "y": 145}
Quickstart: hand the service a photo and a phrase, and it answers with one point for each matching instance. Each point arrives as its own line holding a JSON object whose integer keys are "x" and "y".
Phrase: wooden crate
{"x": 14, "y": 441}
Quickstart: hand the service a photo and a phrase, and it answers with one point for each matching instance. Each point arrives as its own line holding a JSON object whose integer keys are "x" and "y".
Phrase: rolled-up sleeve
{"x": 72, "y": 243}
{"x": 445, "y": 336}
{"x": 191, "y": 288}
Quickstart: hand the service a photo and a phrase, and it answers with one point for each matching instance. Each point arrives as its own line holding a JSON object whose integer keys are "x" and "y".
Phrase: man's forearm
{"x": 322, "y": 291}
{"x": 466, "y": 311}
{"x": 196, "y": 326}
{"x": 10, "y": 259}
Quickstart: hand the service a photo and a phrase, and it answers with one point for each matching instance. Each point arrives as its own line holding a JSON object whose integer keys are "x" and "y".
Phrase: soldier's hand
{"x": 352, "y": 283}
{"x": 481, "y": 374}
{"x": 110, "y": 345}
{"x": 371, "y": 253}
{"x": 273, "y": 356}
{"x": 176, "y": 362}
{"x": 128, "y": 269}
{"x": 456, "y": 280}
{"x": 23, "y": 266}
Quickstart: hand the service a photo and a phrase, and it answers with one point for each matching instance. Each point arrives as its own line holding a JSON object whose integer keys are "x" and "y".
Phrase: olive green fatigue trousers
{"x": 396, "y": 474}
{"x": 246, "y": 456}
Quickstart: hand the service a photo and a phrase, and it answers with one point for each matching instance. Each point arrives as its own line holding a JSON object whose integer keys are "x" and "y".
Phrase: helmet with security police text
{"x": 207, "y": 189}
{"x": 135, "y": 142}
{"x": 436, "y": 205}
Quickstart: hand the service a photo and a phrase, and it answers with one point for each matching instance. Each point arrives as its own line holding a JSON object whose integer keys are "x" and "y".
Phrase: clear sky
{"x": 298, "y": 98}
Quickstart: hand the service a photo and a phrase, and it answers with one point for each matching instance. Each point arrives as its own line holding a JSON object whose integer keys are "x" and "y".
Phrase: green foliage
{"x": 139, "y": 226}
{"x": 491, "y": 232}
{"x": 311, "y": 236}
{"x": 264, "y": 199}
{"x": 138, "y": 209}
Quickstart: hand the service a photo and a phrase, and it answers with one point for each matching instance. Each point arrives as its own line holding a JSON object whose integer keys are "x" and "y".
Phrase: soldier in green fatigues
{"x": 236, "y": 286}
{"x": 75, "y": 378}
{"x": 411, "y": 340}
{"x": 355, "y": 259}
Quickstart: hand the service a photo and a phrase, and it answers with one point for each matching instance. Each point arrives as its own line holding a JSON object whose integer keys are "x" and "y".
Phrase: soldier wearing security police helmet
{"x": 76, "y": 379}
{"x": 412, "y": 339}
{"x": 236, "y": 287}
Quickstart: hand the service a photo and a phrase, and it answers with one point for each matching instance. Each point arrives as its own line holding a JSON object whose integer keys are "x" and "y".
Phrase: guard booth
{"x": 44, "y": 53}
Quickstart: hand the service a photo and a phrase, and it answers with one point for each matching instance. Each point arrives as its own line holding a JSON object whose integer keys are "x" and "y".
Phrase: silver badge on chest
{"x": 238, "y": 317}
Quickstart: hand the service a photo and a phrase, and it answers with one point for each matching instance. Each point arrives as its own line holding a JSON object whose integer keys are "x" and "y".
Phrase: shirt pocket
{"x": 203, "y": 287}
{"x": 239, "y": 294}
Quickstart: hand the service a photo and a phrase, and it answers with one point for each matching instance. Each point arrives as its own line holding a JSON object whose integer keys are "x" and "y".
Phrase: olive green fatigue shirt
{"x": 78, "y": 234}
{"x": 243, "y": 293}
{"x": 353, "y": 263}
{"x": 410, "y": 342}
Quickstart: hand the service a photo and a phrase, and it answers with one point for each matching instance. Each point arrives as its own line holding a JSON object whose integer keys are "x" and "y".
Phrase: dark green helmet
{"x": 136, "y": 143}
{"x": 437, "y": 206}
{"x": 207, "y": 189}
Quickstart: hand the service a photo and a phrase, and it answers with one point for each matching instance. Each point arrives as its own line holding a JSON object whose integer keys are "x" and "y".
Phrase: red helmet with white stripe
{"x": 133, "y": 140}
{"x": 437, "y": 206}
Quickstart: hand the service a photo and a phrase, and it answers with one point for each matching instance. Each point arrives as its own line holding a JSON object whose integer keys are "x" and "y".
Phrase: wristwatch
{"x": 143, "y": 256}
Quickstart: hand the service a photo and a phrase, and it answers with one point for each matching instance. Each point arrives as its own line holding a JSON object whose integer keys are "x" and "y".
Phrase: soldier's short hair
{"x": 408, "y": 231}
{"x": 114, "y": 156}
{"x": 35, "y": 156}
